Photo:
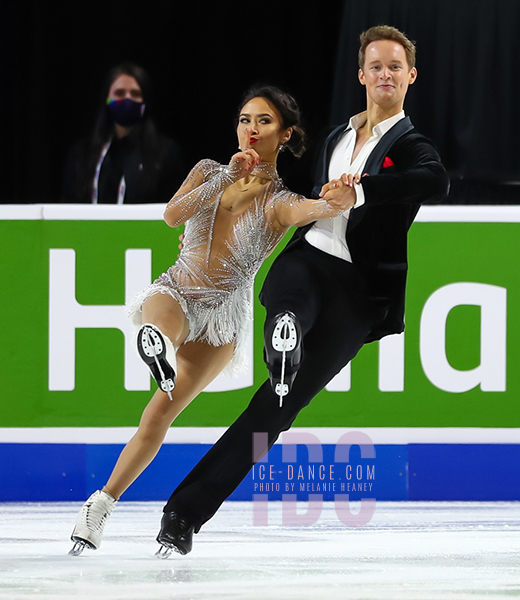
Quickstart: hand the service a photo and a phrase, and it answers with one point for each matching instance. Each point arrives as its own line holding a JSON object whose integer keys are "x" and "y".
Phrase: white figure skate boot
{"x": 90, "y": 523}
{"x": 158, "y": 352}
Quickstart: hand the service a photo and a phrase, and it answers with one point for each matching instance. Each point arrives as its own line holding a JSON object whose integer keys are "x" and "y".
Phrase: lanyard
{"x": 95, "y": 185}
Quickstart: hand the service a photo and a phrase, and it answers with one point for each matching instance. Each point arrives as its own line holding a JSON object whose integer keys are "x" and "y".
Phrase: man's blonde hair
{"x": 386, "y": 32}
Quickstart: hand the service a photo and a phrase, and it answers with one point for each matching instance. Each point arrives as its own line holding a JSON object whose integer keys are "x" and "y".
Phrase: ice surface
{"x": 408, "y": 550}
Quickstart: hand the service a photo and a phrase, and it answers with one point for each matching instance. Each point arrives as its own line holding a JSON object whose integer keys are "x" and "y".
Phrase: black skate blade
{"x": 164, "y": 552}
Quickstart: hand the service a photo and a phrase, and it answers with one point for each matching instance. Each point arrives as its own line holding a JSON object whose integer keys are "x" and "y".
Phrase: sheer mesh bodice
{"x": 229, "y": 232}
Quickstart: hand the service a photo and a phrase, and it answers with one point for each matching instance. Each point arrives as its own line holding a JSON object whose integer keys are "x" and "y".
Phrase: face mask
{"x": 126, "y": 112}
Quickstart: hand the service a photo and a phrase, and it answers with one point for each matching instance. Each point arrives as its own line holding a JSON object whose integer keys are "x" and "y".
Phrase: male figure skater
{"x": 338, "y": 284}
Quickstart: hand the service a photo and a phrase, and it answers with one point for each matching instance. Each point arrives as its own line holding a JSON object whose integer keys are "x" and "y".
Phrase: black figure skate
{"x": 157, "y": 351}
{"x": 283, "y": 352}
{"x": 176, "y": 535}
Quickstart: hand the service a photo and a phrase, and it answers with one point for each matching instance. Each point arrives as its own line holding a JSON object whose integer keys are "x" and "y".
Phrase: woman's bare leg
{"x": 198, "y": 364}
{"x": 166, "y": 314}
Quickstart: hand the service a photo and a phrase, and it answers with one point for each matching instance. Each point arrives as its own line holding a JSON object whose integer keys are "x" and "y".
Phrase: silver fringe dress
{"x": 213, "y": 277}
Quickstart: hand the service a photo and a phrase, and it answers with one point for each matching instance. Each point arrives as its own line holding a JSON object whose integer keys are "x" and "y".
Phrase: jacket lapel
{"x": 375, "y": 160}
{"x": 322, "y": 170}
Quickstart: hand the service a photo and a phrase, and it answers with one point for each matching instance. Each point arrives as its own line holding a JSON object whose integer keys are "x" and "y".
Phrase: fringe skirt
{"x": 216, "y": 316}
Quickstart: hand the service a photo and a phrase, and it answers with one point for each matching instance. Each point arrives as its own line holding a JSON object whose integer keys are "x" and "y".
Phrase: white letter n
{"x": 66, "y": 315}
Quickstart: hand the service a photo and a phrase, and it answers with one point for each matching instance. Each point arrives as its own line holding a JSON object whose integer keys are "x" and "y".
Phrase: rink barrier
{"x": 454, "y": 369}
{"x": 465, "y": 471}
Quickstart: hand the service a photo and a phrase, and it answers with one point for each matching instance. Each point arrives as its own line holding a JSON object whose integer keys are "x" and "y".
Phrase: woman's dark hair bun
{"x": 289, "y": 110}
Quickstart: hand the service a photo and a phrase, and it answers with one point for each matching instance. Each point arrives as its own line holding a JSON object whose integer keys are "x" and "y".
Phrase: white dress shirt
{"x": 329, "y": 235}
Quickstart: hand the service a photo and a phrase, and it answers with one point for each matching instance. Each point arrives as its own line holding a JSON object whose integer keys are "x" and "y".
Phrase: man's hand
{"x": 339, "y": 193}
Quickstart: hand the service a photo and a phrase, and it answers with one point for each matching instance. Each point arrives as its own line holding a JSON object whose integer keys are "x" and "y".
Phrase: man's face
{"x": 386, "y": 74}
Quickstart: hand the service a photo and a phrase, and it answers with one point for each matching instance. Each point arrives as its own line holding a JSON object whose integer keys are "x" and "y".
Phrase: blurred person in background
{"x": 125, "y": 160}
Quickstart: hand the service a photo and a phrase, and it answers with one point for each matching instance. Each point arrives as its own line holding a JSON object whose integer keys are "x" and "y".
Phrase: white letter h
{"x": 66, "y": 315}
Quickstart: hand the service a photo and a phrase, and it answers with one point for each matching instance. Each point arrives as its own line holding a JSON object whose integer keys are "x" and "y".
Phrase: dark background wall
{"x": 203, "y": 55}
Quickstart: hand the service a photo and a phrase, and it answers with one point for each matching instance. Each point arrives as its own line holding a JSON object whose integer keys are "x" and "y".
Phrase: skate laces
{"x": 180, "y": 522}
{"x": 97, "y": 512}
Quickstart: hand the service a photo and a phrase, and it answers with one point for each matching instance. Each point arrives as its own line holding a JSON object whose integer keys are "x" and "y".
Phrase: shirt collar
{"x": 380, "y": 129}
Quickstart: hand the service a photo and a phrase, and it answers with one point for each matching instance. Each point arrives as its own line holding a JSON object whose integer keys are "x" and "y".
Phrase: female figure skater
{"x": 193, "y": 319}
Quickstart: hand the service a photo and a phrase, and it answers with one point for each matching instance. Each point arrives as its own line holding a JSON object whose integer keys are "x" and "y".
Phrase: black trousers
{"x": 336, "y": 315}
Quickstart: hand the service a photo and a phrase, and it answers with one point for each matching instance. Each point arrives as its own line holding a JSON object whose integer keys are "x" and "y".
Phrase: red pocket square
{"x": 388, "y": 162}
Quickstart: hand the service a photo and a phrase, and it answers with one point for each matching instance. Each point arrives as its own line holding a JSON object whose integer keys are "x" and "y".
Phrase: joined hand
{"x": 340, "y": 193}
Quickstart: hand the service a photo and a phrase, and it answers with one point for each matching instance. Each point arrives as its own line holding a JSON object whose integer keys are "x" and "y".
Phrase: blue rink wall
{"x": 469, "y": 472}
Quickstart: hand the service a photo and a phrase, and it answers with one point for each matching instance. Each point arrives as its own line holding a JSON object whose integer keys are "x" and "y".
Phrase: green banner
{"x": 66, "y": 357}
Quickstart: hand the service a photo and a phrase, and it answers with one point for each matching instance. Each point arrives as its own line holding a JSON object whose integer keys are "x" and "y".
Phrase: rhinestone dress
{"x": 212, "y": 279}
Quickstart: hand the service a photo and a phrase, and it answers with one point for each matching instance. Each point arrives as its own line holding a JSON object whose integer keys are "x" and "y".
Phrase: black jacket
{"x": 377, "y": 231}
{"x": 124, "y": 157}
